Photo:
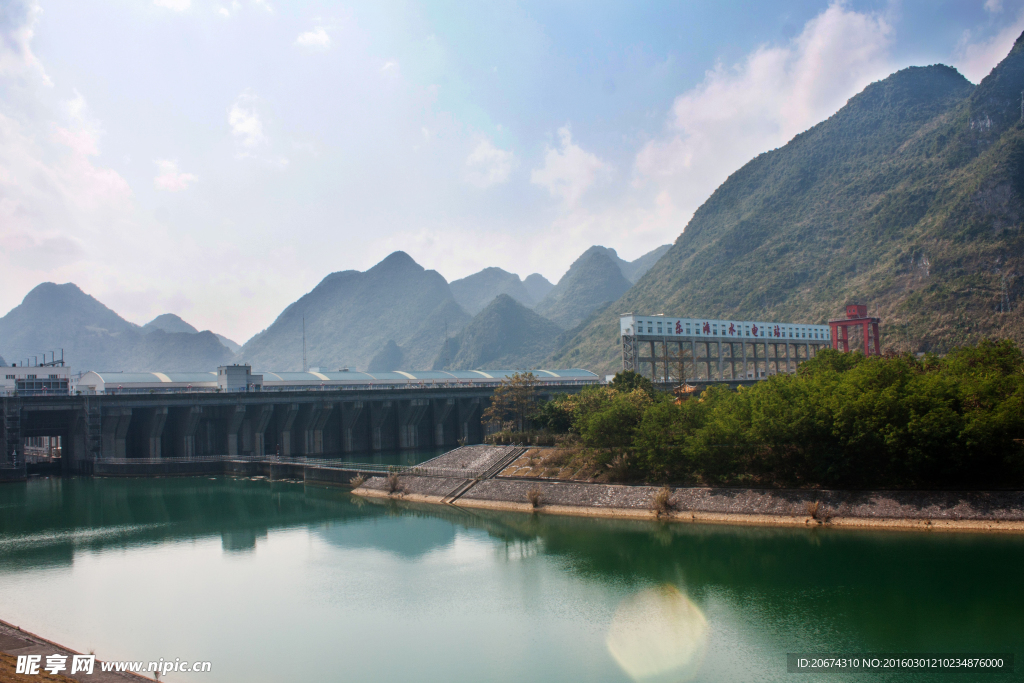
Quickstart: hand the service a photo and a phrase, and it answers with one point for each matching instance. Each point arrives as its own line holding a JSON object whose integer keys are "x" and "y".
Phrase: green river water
{"x": 274, "y": 581}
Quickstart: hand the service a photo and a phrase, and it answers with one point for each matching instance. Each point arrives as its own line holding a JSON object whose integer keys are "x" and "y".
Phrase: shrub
{"x": 394, "y": 484}
{"x": 533, "y": 497}
{"x": 357, "y": 481}
{"x": 662, "y": 502}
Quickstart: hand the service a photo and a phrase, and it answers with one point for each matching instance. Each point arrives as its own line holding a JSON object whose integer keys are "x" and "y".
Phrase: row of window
{"x": 39, "y": 385}
{"x": 711, "y": 329}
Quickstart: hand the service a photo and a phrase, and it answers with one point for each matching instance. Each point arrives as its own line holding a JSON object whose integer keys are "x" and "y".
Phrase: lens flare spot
{"x": 658, "y": 636}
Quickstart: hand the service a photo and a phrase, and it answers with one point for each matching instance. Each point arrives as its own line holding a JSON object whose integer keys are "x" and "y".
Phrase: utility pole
{"x": 447, "y": 356}
{"x": 305, "y": 365}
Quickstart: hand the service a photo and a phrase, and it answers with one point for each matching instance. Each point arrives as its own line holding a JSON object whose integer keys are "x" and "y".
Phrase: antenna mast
{"x": 305, "y": 365}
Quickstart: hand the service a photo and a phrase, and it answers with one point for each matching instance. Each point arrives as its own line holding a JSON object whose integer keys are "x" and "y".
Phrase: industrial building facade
{"x": 35, "y": 380}
{"x": 701, "y": 349}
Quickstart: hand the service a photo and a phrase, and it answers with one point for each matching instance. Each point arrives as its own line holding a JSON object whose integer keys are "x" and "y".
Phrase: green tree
{"x": 512, "y": 402}
{"x": 554, "y": 415}
{"x": 613, "y": 424}
{"x": 627, "y": 380}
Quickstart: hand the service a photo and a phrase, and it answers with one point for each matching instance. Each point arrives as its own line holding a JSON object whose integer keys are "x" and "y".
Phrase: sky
{"x": 217, "y": 158}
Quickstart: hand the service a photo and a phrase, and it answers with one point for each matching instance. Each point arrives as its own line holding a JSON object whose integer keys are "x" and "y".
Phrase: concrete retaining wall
{"x": 163, "y": 469}
{"x": 8, "y": 473}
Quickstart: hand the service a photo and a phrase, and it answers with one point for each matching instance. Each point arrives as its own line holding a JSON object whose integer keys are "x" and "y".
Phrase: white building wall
{"x": 663, "y": 326}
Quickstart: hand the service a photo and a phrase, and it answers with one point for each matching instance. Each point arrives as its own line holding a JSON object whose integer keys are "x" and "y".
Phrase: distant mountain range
{"x": 394, "y": 316}
{"x": 168, "y": 322}
{"x": 350, "y": 316}
{"x": 63, "y": 317}
{"x": 909, "y": 199}
{"x": 607, "y": 283}
{"x": 477, "y": 290}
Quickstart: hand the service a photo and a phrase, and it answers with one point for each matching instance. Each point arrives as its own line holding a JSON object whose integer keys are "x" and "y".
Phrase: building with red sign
{"x": 856, "y": 316}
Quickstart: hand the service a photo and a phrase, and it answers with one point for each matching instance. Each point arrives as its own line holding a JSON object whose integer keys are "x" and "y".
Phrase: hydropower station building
{"x": 701, "y": 349}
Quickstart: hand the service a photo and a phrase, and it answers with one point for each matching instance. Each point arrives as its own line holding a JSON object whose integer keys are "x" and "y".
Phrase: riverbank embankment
{"x": 921, "y": 510}
{"x": 15, "y": 642}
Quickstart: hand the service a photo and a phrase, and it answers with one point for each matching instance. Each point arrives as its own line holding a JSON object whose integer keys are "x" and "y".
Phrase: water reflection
{"x": 659, "y": 599}
{"x": 45, "y": 522}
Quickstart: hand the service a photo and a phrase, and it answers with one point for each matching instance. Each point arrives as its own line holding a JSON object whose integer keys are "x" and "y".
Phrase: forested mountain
{"x": 909, "y": 199}
{"x": 54, "y": 317}
{"x": 593, "y": 279}
{"x": 387, "y": 359}
{"x": 634, "y": 270}
{"x": 477, "y": 290}
{"x": 537, "y": 286}
{"x": 350, "y": 316}
{"x": 168, "y": 322}
{"x": 504, "y": 336}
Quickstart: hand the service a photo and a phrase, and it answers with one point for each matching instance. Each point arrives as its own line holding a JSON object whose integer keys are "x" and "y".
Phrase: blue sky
{"x": 217, "y": 158}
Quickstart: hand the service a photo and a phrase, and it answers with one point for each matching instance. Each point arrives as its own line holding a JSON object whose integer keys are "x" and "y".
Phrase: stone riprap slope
{"x": 473, "y": 459}
{"x": 924, "y": 510}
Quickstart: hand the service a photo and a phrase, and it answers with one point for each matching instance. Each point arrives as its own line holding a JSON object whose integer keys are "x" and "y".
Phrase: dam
{"x": 318, "y": 421}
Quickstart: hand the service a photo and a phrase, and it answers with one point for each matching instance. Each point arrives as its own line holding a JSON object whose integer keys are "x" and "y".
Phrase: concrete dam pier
{"x": 310, "y": 424}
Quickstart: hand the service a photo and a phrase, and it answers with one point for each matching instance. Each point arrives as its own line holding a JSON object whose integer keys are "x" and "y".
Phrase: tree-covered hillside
{"x": 909, "y": 199}
{"x": 504, "y": 336}
{"x": 593, "y": 279}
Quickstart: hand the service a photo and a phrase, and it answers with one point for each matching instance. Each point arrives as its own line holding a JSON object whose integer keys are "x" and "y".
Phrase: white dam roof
{"x": 98, "y": 381}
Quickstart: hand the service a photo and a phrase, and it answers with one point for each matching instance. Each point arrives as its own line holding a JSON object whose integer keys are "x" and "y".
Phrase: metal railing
{"x": 331, "y": 463}
{"x": 323, "y": 463}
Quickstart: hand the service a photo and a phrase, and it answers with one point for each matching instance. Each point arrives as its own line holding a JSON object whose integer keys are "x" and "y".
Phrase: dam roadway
{"x": 314, "y": 424}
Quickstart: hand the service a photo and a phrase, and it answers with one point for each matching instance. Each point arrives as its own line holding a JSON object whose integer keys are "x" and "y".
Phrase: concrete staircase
{"x": 506, "y": 459}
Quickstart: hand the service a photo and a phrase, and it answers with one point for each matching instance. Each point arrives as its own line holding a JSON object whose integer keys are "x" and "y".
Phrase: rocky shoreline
{"x": 14, "y": 642}
{"x": 922, "y": 510}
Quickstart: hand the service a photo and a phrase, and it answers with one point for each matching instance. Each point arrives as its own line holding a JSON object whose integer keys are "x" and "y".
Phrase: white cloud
{"x": 229, "y": 10}
{"x": 568, "y": 171}
{"x": 975, "y": 59}
{"x": 53, "y": 198}
{"x": 176, "y": 5}
{"x": 776, "y": 92}
{"x": 318, "y": 39}
{"x": 169, "y": 178}
{"x": 487, "y": 165}
{"x": 994, "y": 6}
{"x": 265, "y": 4}
{"x": 17, "y": 26}
{"x": 245, "y": 122}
